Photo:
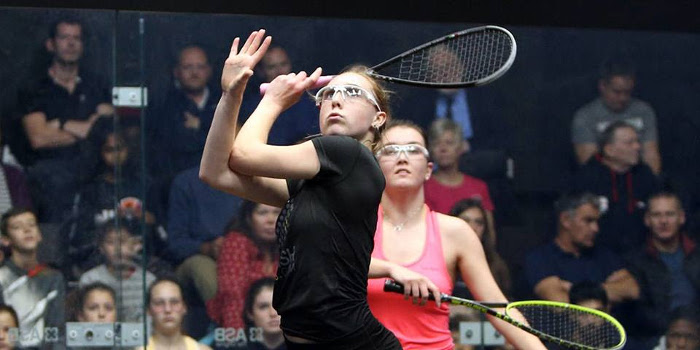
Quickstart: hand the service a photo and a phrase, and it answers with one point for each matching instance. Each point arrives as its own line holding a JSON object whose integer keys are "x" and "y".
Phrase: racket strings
{"x": 462, "y": 58}
{"x": 572, "y": 325}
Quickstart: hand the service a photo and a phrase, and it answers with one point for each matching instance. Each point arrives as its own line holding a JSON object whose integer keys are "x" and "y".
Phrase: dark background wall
{"x": 554, "y": 74}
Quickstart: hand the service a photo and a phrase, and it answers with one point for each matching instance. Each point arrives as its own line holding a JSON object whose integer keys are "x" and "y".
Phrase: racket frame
{"x": 488, "y": 308}
{"x": 497, "y": 74}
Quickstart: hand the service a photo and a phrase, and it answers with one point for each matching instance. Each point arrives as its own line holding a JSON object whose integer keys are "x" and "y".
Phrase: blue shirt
{"x": 682, "y": 291}
{"x": 197, "y": 213}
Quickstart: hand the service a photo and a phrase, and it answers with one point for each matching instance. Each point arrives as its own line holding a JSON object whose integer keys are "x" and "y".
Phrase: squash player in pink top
{"x": 438, "y": 246}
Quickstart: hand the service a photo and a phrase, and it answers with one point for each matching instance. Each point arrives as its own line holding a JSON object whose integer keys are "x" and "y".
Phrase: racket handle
{"x": 396, "y": 287}
{"x": 321, "y": 82}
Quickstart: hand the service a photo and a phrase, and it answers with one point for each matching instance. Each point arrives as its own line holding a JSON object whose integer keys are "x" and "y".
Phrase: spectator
{"x": 573, "y": 256}
{"x": 97, "y": 198}
{"x": 623, "y": 183}
{"x": 478, "y": 124}
{"x": 94, "y": 302}
{"x": 178, "y": 126}
{"x": 261, "y": 319}
{"x": 167, "y": 308}
{"x": 683, "y": 332}
{"x": 448, "y": 185}
{"x": 37, "y": 292}
{"x": 668, "y": 269}
{"x": 471, "y": 211}
{"x": 14, "y": 191}
{"x": 57, "y": 112}
{"x": 615, "y": 103}
{"x": 119, "y": 247}
{"x": 197, "y": 220}
{"x": 294, "y": 124}
{"x": 249, "y": 252}
{"x": 9, "y": 323}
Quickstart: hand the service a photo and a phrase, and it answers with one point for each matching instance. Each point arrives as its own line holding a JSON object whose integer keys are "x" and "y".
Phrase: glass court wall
{"x": 106, "y": 124}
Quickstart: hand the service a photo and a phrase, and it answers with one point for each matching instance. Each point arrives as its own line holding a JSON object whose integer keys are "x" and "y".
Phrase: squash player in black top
{"x": 329, "y": 188}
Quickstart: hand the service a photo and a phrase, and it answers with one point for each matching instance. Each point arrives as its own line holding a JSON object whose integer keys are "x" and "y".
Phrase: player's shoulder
{"x": 454, "y": 228}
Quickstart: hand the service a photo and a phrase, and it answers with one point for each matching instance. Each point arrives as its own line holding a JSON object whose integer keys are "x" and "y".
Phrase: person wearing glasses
{"x": 435, "y": 245}
{"x": 329, "y": 190}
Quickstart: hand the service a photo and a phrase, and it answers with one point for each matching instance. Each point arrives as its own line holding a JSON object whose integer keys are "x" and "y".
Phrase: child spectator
{"x": 120, "y": 271}
{"x": 34, "y": 290}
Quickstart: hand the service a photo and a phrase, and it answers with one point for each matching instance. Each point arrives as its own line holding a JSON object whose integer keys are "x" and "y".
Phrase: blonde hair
{"x": 383, "y": 98}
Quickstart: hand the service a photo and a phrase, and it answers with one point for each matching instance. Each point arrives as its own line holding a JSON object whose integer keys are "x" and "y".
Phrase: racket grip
{"x": 321, "y": 82}
{"x": 396, "y": 287}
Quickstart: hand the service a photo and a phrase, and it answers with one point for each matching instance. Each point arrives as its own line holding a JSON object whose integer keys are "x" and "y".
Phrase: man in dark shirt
{"x": 177, "y": 128}
{"x": 574, "y": 257}
{"x": 623, "y": 184}
{"x": 57, "y": 112}
{"x": 668, "y": 269}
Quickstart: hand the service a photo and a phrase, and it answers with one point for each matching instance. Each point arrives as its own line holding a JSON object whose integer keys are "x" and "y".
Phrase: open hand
{"x": 239, "y": 65}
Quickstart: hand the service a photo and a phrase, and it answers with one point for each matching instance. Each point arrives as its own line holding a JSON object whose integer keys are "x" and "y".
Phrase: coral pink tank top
{"x": 417, "y": 327}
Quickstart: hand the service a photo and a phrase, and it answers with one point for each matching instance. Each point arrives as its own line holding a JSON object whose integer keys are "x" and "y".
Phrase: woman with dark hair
{"x": 94, "y": 302}
{"x": 472, "y": 211}
{"x": 261, "y": 319}
{"x": 249, "y": 252}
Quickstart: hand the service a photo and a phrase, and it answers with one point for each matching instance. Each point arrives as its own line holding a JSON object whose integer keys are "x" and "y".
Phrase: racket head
{"x": 571, "y": 325}
{"x": 467, "y": 58}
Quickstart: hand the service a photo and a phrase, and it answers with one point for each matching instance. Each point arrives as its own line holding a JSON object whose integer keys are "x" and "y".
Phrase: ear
{"x": 601, "y": 84}
{"x": 565, "y": 220}
{"x": 466, "y": 147}
{"x": 429, "y": 171}
{"x": 379, "y": 119}
{"x": 647, "y": 220}
{"x": 5, "y": 241}
{"x": 681, "y": 216}
{"x": 50, "y": 47}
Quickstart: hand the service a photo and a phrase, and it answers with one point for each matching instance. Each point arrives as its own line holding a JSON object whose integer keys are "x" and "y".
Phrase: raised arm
{"x": 471, "y": 263}
{"x": 215, "y": 169}
{"x": 252, "y": 155}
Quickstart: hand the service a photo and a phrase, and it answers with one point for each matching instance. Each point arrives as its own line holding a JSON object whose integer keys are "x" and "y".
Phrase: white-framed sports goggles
{"x": 351, "y": 92}
{"x": 411, "y": 151}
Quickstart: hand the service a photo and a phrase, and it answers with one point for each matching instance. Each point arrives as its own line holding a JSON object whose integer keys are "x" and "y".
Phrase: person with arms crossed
{"x": 573, "y": 256}
{"x": 433, "y": 244}
{"x": 667, "y": 269}
{"x": 329, "y": 188}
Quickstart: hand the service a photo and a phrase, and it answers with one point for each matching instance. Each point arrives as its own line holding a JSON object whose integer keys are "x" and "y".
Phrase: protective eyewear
{"x": 347, "y": 92}
{"x": 411, "y": 151}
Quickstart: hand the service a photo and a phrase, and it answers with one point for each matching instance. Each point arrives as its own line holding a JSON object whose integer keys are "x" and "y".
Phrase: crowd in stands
{"x": 203, "y": 261}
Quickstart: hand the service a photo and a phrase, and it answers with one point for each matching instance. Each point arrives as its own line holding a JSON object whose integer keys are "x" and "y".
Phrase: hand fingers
{"x": 435, "y": 291}
{"x": 310, "y": 82}
{"x": 416, "y": 294}
{"x": 255, "y": 42}
{"x": 424, "y": 293}
{"x": 258, "y": 55}
{"x": 248, "y": 41}
{"x": 234, "y": 47}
